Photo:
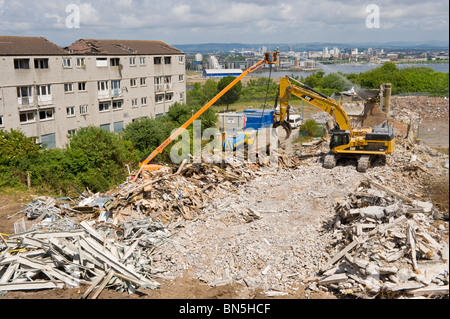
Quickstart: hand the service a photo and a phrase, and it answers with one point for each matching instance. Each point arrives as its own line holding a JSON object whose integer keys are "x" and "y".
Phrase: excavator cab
{"x": 339, "y": 138}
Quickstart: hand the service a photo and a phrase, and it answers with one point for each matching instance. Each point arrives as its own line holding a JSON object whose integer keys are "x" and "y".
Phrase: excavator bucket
{"x": 285, "y": 125}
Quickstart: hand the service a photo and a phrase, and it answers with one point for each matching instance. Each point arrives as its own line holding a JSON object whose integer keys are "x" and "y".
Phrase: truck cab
{"x": 295, "y": 121}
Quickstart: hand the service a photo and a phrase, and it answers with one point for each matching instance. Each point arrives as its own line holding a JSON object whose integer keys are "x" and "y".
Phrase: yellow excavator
{"x": 363, "y": 144}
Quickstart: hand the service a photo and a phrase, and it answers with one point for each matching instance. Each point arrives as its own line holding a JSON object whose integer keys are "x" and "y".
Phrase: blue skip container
{"x": 256, "y": 119}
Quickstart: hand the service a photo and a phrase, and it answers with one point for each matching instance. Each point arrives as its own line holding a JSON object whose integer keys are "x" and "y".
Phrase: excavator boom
{"x": 319, "y": 100}
{"x": 269, "y": 58}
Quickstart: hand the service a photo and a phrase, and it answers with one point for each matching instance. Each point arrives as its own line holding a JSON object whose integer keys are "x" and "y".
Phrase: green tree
{"x": 233, "y": 94}
{"x": 210, "y": 90}
{"x": 146, "y": 134}
{"x": 15, "y": 146}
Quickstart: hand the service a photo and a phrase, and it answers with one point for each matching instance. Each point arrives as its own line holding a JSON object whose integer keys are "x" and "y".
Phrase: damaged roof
{"x": 122, "y": 47}
{"x": 17, "y": 46}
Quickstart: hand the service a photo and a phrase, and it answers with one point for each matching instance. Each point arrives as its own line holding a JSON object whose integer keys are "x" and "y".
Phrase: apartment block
{"x": 49, "y": 92}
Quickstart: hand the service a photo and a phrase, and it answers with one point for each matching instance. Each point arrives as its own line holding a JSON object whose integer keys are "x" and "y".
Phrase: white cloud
{"x": 187, "y": 21}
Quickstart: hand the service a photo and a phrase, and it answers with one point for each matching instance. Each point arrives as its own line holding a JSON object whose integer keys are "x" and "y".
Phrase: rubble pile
{"x": 403, "y": 109}
{"x": 365, "y": 235}
{"x": 388, "y": 247}
{"x": 109, "y": 239}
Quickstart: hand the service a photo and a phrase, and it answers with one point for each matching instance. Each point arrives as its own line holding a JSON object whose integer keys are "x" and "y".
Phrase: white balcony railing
{"x": 25, "y": 101}
{"x": 45, "y": 99}
{"x": 163, "y": 87}
{"x": 109, "y": 94}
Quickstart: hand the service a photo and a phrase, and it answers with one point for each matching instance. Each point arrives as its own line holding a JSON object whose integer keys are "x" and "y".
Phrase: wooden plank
{"x": 389, "y": 191}
{"x": 9, "y": 273}
{"x": 30, "y": 285}
{"x": 103, "y": 284}
{"x": 94, "y": 284}
{"x": 333, "y": 279}
{"x": 412, "y": 244}
{"x": 431, "y": 290}
{"x": 340, "y": 255}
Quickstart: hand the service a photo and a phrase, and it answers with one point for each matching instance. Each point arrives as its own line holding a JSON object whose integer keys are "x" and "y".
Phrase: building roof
{"x": 223, "y": 71}
{"x": 17, "y": 46}
{"x": 122, "y": 47}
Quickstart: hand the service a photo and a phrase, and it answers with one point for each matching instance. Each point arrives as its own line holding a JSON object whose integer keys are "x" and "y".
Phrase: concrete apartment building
{"x": 49, "y": 92}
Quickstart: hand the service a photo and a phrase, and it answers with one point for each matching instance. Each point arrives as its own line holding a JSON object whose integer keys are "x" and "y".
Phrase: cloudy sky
{"x": 244, "y": 21}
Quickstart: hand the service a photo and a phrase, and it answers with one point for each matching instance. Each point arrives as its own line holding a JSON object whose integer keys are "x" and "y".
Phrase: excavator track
{"x": 330, "y": 161}
{"x": 363, "y": 163}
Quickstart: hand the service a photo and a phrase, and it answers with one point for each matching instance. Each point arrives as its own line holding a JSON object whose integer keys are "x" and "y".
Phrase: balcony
{"x": 163, "y": 87}
{"x": 45, "y": 100}
{"x": 110, "y": 94}
{"x": 25, "y": 102}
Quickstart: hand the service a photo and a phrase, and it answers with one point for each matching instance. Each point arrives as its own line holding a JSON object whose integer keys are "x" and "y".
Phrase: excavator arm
{"x": 308, "y": 94}
{"x": 269, "y": 58}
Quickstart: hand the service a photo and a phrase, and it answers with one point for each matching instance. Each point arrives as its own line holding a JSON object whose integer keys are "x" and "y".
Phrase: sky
{"x": 216, "y": 21}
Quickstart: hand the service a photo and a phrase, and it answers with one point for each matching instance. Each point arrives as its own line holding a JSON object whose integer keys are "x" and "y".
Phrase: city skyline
{"x": 247, "y": 21}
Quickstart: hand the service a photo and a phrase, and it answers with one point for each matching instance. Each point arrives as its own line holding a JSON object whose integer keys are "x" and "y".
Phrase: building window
{"x": 181, "y": 77}
{"x": 115, "y": 84}
{"x": 68, "y": 87}
{"x": 180, "y": 59}
{"x": 25, "y": 95}
{"x": 117, "y": 105}
{"x": 81, "y": 86}
{"x": 142, "y": 60}
{"x": 46, "y": 115}
{"x": 157, "y": 60}
{"x": 144, "y": 101}
{"x": 27, "y": 117}
{"x": 21, "y": 64}
{"x": 103, "y": 85}
{"x": 118, "y": 127}
{"x": 114, "y": 61}
{"x": 1, "y": 121}
{"x": 81, "y": 62}
{"x": 167, "y": 82}
{"x": 44, "y": 90}
{"x": 41, "y": 63}
{"x": 132, "y": 61}
{"x": 143, "y": 81}
{"x": 159, "y": 98}
{"x": 106, "y": 127}
{"x": 134, "y": 102}
{"x": 158, "y": 84}
{"x": 67, "y": 62}
{"x": 71, "y": 132}
{"x": 133, "y": 82}
{"x": 169, "y": 97}
{"x": 103, "y": 106}
{"x": 102, "y": 62}
{"x": 167, "y": 60}
{"x": 70, "y": 111}
{"x": 83, "y": 109}
{"x": 49, "y": 140}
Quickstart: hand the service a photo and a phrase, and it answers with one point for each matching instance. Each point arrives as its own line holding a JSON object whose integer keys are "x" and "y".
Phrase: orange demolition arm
{"x": 270, "y": 58}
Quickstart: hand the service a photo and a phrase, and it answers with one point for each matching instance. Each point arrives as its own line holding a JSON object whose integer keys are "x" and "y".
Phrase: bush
{"x": 310, "y": 127}
{"x": 94, "y": 159}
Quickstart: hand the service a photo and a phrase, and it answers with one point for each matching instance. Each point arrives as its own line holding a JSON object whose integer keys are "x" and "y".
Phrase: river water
{"x": 349, "y": 68}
